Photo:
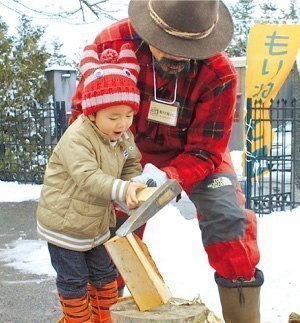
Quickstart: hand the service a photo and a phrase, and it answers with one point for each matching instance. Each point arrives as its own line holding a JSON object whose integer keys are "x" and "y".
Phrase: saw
{"x": 151, "y": 200}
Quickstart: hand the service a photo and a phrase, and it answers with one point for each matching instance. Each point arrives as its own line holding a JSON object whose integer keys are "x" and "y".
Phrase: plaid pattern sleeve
{"x": 210, "y": 129}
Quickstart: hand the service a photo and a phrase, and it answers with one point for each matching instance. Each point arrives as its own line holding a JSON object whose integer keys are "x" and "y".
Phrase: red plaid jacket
{"x": 193, "y": 149}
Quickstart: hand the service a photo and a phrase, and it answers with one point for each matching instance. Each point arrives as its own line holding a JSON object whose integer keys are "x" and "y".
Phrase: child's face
{"x": 113, "y": 121}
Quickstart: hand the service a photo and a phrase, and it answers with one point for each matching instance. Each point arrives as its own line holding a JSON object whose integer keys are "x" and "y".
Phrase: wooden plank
{"x": 146, "y": 252}
{"x": 159, "y": 284}
{"x": 140, "y": 275}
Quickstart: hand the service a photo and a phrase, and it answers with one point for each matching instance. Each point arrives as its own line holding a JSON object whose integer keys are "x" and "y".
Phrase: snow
{"x": 60, "y": 68}
{"x": 175, "y": 244}
{"x": 29, "y": 256}
{"x": 238, "y": 156}
{"x": 14, "y": 192}
{"x": 183, "y": 262}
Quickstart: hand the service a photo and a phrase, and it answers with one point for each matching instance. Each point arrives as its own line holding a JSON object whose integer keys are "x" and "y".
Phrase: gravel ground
{"x": 24, "y": 297}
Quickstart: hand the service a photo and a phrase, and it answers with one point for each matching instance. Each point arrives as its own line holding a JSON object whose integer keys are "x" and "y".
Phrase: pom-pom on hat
{"x": 109, "y": 80}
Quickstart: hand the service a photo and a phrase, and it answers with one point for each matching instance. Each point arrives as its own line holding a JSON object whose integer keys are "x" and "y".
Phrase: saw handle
{"x": 178, "y": 197}
{"x": 151, "y": 183}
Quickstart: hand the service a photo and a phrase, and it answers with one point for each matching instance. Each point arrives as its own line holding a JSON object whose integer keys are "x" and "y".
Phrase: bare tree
{"x": 76, "y": 10}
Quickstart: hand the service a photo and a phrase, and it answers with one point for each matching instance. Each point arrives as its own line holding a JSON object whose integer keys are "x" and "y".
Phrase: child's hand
{"x": 131, "y": 199}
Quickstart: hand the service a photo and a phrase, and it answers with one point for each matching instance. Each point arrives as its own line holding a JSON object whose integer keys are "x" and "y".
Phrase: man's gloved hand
{"x": 151, "y": 172}
{"x": 185, "y": 206}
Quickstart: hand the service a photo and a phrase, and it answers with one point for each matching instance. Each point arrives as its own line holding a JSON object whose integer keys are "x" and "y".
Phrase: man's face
{"x": 169, "y": 64}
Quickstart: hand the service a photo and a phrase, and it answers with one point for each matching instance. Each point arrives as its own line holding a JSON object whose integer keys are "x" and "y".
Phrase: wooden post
{"x": 135, "y": 264}
{"x": 125, "y": 311}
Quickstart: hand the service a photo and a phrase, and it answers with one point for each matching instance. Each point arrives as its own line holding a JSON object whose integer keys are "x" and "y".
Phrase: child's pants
{"x": 75, "y": 269}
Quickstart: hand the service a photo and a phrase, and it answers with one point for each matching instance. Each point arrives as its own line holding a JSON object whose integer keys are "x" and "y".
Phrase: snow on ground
{"x": 14, "y": 192}
{"x": 176, "y": 247}
{"x": 28, "y": 256}
{"x": 175, "y": 244}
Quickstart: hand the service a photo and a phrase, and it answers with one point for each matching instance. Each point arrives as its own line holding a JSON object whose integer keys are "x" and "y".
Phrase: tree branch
{"x": 96, "y": 9}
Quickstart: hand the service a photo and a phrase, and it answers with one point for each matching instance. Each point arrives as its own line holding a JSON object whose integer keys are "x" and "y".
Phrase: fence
{"x": 27, "y": 138}
{"x": 271, "y": 167}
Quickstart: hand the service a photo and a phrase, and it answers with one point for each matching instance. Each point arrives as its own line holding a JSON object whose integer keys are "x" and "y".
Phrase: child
{"x": 91, "y": 167}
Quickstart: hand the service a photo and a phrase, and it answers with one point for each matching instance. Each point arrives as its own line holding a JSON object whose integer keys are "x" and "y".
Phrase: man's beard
{"x": 168, "y": 68}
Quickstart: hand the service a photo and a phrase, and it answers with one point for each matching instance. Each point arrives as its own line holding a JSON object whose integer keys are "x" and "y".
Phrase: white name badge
{"x": 163, "y": 113}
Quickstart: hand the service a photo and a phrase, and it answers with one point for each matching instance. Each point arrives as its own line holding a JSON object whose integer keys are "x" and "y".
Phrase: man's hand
{"x": 131, "y": 199}
{"x": 151, "y": 172}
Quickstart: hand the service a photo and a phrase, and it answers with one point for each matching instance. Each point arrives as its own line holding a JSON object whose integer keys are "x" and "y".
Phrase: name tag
{"x": 163, "y": 113}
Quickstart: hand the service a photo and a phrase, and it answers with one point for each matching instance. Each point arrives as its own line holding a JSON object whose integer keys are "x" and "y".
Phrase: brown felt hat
{"x": 195, "y": 29}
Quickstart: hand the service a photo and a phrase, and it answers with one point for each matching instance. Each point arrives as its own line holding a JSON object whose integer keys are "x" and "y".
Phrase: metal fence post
{"x": 248, "y": 157}
{"x": 61, "y": 118}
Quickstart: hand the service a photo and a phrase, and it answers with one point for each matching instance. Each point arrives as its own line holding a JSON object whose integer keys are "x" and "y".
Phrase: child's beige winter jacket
{"x": 86, "y": 172}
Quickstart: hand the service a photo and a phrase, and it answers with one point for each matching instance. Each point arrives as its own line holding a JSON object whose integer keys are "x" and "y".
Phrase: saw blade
{"x": 139, "y": 216}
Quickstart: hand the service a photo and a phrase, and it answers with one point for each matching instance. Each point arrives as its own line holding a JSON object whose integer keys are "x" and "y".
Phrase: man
{"x": 188, "y": 91}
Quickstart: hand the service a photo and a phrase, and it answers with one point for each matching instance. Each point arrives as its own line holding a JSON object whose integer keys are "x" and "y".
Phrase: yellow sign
{"x": 271, "y": 53}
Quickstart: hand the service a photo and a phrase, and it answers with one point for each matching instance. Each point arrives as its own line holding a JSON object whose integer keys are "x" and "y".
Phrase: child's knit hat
{"x": 109, "y": 80}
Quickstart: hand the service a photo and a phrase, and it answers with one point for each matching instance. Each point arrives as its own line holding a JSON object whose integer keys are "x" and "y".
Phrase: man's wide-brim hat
{"x": 195, "y": 29}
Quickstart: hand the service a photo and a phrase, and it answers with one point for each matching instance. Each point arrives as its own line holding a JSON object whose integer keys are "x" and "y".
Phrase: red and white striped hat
{"x": 109, "y": 80}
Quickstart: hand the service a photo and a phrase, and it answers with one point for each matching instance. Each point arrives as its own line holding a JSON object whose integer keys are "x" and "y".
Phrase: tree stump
{"x": 177, "y": 310}
{"x": 294, "y": 318}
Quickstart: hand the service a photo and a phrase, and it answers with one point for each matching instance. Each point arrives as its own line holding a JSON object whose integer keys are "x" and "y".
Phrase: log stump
{"x": 294, "y": 318}
{"x": 177, "y": 310}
